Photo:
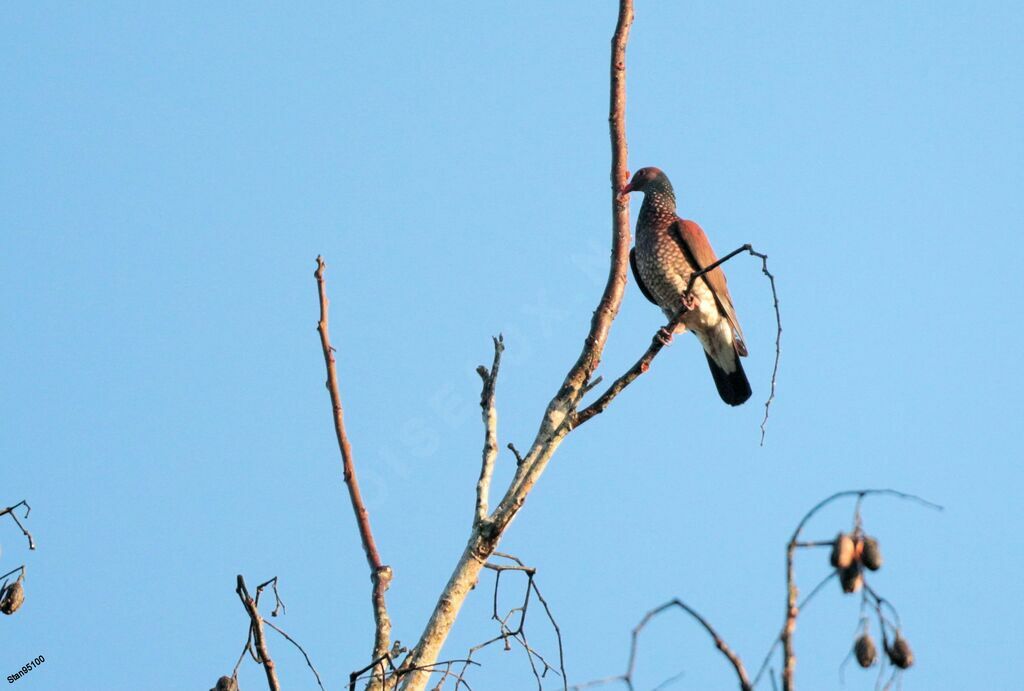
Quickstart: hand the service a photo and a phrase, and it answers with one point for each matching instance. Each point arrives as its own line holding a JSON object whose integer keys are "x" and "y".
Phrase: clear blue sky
{"x": 171, "y": 170}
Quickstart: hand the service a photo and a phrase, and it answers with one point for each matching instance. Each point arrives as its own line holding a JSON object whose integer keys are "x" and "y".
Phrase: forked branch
{"x": 10, "y": 511}
{"x": 256, "y": 631}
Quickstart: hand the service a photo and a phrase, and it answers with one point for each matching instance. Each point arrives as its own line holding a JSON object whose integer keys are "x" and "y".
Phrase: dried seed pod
{"x": 865, "y": 651}
{"x": 900, "y": 653}
{"x": 842, "y": 551}
{"x": 871, "y": 554}
{"x": 851, "y": 578}
{"x": 226, "y": 684}
{"x": 12, "y": 597}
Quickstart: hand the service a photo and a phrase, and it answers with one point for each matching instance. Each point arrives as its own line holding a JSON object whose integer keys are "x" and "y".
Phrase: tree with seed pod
{"x": 392, "y": 667}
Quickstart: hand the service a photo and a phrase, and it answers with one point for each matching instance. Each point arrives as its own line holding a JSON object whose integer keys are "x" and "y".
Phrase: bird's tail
{"x": 733, "y": 387}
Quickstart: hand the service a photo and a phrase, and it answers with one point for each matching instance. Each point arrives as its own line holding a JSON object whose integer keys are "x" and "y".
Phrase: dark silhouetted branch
{"x": 627, "y": 677}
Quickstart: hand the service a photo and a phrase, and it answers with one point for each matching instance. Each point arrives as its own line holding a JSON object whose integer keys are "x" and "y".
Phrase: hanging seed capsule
{"x": 11, "y": 598}
{"x": 851, "y": 578}
{"x": 900, "y": 653}
{"x": 842, "y": 551}
{"x": 865, "y": 651}
{"x": 871, "y": 554}
{"x": 226, "y": 684}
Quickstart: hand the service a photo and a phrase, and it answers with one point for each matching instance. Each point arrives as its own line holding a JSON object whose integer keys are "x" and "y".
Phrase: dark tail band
{"x": 733, "y": 388}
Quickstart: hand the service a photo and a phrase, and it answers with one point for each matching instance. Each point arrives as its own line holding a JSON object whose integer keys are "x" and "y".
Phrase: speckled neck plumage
{"x": 659, "y": 207}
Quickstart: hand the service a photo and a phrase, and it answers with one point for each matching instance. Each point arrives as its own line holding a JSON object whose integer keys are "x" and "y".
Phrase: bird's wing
{"x": 639, "y": 280}
{"x": 697, "y": 249}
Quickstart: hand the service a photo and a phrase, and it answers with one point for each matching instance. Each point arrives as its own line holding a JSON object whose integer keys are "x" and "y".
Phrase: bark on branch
{"x": 490, "y": 417}
{"x": 380, "y": 573}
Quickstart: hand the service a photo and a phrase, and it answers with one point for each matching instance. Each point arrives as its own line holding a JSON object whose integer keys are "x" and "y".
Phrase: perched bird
{"x": 668, "y": 251}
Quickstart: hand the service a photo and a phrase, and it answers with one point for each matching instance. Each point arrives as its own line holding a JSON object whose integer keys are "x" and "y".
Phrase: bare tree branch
{"x": 490, "y": 417}
{"x": 638, "y": 368}
{"x": 380, "y": 574}
{"x": 256, "y": 627}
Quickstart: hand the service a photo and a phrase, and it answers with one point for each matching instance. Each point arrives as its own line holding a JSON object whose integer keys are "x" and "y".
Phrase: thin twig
{"x": 309, "y": 663}
{"x": 518, "y": 634}
{"x": 247, "y": 648}
{"x": 515, "y": 452}
{"x": 278, "y": 603}
{"x": 9, "y": 511}
{"x": 627, "y": 677}
{"x": 3, "y": 578}
{"x": 380, "y": 573}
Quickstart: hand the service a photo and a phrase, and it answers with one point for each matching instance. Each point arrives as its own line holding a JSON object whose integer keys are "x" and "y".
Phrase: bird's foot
{"x": 664, "y": 336}
{"x": 690, "y": 301}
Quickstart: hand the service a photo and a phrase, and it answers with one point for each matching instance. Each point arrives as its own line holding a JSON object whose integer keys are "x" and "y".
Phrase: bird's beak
{"x": 626, "y": 189}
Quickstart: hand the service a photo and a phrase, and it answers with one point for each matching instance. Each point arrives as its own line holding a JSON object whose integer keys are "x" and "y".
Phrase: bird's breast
{"x": 663, "y": 266}
{"x": 666, "y": 272}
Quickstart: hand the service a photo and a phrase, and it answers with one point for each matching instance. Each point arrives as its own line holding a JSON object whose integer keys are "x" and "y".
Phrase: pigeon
{"x": 668, "y": 251}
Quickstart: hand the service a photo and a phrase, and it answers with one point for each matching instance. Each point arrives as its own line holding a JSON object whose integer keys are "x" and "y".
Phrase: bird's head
{"x": 648, "y": 180}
